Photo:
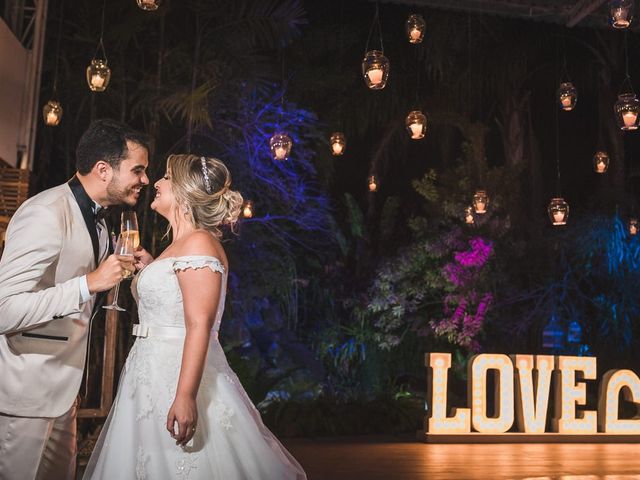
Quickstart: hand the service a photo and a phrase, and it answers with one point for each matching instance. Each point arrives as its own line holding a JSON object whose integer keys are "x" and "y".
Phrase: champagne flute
{"x": 124, "y": 247}
{"x": 129, "y": 226}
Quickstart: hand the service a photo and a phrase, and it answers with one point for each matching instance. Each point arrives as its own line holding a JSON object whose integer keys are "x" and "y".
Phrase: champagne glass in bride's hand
{"x": 124, "y": 248}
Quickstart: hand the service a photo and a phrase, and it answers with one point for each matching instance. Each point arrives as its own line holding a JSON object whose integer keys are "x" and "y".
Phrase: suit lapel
{"x": 86, "y": 207}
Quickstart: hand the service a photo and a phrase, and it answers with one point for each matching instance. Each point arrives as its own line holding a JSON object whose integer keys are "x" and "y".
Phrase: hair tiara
{"x": 205, "y": 173}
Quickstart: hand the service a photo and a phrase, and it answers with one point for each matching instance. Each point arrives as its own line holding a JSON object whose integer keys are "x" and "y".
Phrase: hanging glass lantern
{"x": 373, "y": 185}
{"x": 558, "y": 211}
{"x": 375, "y": 69}
{"x": 338, "y": 142}
{"x": 247, "y": 209}
{"x": 416, "y": 28}
{"x": 480, "y": 201}
{"x": 148, "y": 5}
{"x": 567, "y": 96}
{"x": 626, "y": 110}
{"x": 98, "y": 75}
{"x": 621, "y": 13}
{"x": 280, "y": 145}
{"x": 553, "y": 336}
{"x": 574, "y": 332}
{"x": 633, "y": 226}
{"x": 600, "y": 162}
{"x": 52, "y": 113}
{"x": 416, "y": 124}
{"x": 468, "y": 216}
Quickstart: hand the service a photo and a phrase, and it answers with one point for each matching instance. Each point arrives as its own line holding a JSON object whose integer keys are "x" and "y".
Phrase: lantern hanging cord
{"x": 376, "y": 20}
{"x": 557, "y": 149}
{"x": 557, "y": 121}
{"x": 627, "y": 78}
{"x": 341, "y": 57}
{"x": 565, "y": 71}
{"x": 469, "y": 62}
{"x": 417, "y": 80}
{"x": 100, "y": 44}
{"x": 55, "y": 74}
{"x": 282, "y": 86}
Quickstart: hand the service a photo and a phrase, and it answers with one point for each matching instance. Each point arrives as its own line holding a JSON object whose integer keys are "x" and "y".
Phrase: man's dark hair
{"x": 106, "y": 140}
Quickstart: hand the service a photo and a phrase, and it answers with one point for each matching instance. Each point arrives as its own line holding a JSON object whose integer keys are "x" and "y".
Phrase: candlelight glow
{"x": 375, "y": 69}
{"x": 52, "y": 113}
{"x": 415, "y": 28}
{"x": 416, "y": 123}
{"x": 98, "y": 75}
{"x": 338, "y": 143}
{"x": 280, "y": 145}
{"x": 480, "y": 202}
{"x": 558, "y": 211}
{"x": 626, "y": 109}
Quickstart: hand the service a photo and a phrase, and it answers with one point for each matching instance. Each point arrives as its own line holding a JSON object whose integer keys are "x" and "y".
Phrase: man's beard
{"x": 118, "y": 194}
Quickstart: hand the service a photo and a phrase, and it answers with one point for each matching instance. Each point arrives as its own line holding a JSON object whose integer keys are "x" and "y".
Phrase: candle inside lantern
{"x": 620, "y": 18}
{"x": 566, "y": 102}
{"x": 629, "y": 118}
{"x": 633, "y": 229}
{"x": 414, "y": 34}
{"x": 375, "y": 75}
{"x": 372, "y": 184}
{"x": 52, "y": 118}
{"x": 97, "y": 80}
{"x": 600, "y": 166}
{"x": 337, "y": 148}
{"x": 247, "y": 212}
{"x": 558, "y": 217}
{"x": 281, "y": 153}
{"x": 416, "y": 130}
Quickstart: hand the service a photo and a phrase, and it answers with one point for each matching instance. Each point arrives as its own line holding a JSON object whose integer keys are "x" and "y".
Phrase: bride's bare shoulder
{"x": 201, "y": 242}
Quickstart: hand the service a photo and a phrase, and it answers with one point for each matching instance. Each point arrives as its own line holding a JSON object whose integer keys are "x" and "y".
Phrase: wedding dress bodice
{"x": 158, "y": 293}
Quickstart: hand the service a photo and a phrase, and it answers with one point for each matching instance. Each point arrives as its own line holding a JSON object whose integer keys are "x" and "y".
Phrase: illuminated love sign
{"x": 522, "y": 393}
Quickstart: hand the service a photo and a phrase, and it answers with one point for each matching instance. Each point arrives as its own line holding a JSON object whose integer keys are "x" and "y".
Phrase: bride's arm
{"x": 201, "y": 295}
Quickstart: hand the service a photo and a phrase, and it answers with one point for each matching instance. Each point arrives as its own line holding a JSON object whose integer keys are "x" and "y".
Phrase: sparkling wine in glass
{"x": 124, "y": 247}
{"x": 129, "y": 226}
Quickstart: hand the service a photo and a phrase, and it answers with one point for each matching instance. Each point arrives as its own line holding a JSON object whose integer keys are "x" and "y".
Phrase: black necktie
{"x": 100, "y": 214}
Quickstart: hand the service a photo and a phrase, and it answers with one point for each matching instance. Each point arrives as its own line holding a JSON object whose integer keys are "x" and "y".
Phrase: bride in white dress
{"x": 180, "y": 411}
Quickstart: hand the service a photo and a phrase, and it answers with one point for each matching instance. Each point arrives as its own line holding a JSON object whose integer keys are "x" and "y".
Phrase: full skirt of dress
{"x": 230, "y": 442}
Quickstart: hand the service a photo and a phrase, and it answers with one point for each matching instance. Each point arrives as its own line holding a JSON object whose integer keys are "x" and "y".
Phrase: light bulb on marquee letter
{"x": 569, "y": 394}
{"x": 438, "y": 422}
{"x": 531, "y": 403}
{"x": 479, "y": 365}
{"x": 612, "y": 383}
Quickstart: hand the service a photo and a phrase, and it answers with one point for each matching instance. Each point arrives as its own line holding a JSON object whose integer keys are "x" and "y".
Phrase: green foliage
{"x": 355, "y": 218}
{"x": 330, "y": 416}
{"x": 426, "y": 186}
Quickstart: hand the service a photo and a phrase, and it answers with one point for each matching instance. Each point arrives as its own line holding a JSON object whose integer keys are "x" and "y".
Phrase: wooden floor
{"x": 393, "y": 458}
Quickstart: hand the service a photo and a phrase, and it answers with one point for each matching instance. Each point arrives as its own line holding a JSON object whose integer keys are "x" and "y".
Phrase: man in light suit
{"x": 55, "y": 260}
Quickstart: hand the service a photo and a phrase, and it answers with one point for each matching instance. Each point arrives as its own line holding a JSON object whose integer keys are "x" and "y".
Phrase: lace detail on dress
{"x": 223, "y": 415}
{"x": 213, "y": 263}
{"x": 185, "y": 464}
{"x": 141, "y": 460}
{"x": 138, "y": 371}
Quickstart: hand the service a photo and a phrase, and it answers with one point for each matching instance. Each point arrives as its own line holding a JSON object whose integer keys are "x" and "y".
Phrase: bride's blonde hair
{"x": 201, "y": 185}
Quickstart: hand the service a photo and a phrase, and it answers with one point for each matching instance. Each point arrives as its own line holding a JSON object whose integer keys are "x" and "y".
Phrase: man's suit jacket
{"x": 44, "y": 326}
